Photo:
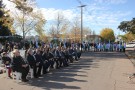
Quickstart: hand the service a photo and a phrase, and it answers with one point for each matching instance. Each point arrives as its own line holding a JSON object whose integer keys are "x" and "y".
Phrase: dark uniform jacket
{"x": 18, "y": 61}
{"x": 5, "y": 59}
{"x": 38, "y": 58}
{"x": 31, "y": 60}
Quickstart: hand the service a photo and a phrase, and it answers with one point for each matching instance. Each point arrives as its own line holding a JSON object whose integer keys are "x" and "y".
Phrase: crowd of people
{"x": 38, "y": 58}
{"x": 119, "y": 47}
{"x": 85, "y": 46}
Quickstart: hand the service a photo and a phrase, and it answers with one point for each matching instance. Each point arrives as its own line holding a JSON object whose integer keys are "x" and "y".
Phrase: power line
{"x": 95, "y": 20}
{"x": 90, "y": 13}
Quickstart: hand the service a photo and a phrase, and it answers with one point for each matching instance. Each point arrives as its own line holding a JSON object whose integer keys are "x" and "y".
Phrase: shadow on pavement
{"x": 64, "y": 77}
{"x": 108, "y": 55}
{"x": 58, "y": 78}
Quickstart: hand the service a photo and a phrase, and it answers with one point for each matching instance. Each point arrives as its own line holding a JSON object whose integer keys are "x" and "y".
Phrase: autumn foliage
{"x": 107, "y": 34}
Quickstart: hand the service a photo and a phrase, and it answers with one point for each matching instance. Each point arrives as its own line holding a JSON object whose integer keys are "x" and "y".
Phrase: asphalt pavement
{"x": 94, "y": 71}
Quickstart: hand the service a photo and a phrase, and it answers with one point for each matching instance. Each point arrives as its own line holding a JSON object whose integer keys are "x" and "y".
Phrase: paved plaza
{"x": 94, "y": 71}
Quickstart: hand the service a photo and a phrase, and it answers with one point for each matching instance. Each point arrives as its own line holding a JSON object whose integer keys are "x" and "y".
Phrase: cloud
{"x": 98, "y": 19}
{"x": 95, "y": 16}
{"x": 111, "y": 1}
{"x": 9, "y": 5}
{"x": 50, "y": 13}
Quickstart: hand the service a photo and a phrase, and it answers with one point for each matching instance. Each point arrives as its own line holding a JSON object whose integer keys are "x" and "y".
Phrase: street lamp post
{"x": 82, "y": 23}
{"x": 75, "y": 35}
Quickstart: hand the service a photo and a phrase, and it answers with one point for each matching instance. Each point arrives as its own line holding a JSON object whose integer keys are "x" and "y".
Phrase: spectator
{"x": 32, "y": 62}
{"x": 20, "y": 65}
{"x": 7, "y": 63}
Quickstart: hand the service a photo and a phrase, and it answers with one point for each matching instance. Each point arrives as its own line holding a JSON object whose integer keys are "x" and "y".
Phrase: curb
{"x": 130, "y": 57}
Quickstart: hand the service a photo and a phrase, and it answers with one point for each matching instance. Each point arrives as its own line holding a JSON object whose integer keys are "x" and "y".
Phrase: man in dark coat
{"x": 20, "y": 65}
{"x": 39, "y": 61}
{"x": 32, "y": 62}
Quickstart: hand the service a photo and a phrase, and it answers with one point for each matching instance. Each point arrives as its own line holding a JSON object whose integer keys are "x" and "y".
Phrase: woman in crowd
{"x": 7, "y": 62}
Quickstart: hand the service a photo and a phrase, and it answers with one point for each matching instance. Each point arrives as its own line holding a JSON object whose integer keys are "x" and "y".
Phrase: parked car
{"x": 130, "y": 44}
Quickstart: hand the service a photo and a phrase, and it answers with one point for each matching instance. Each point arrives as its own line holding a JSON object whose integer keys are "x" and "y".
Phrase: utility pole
{"x": 75, "y": 34}
{"x": 81, "y": 23}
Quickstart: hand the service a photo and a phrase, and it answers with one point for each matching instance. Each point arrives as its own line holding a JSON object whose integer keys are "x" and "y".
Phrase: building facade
{"x": 93, "y": 38}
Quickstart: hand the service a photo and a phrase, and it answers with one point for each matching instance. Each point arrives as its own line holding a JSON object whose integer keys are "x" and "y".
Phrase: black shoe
{"x": 57, "y": 67}
{"x": 76, "y": 59}
{"x": 39, "y": 75}
{"x": 10, "y": 77}
{"x": 25, "y": 80}
{"x": 45, "y": 72}
{"x": 35, "y": 76}
{"x": 66, "y": 65}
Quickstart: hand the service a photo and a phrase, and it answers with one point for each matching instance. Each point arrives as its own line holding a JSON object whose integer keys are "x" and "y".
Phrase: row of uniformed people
{"x": 110, "y": 47}
{"x": 40, "y": 60}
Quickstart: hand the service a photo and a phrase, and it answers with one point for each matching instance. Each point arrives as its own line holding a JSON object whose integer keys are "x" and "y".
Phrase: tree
{"x": 39, "y": 27}
{"x": 64, "y": 30}
{"x": 59, "y": 22}
{"x": 60, "y": 26}
{"x": 23, "y": 19}
{"x": 129, "y": 37}
{"x": 107, "y": 34}
{"x": 75, "y": 34}
{"x": 75, "y": 31}
{"x": 52, "y": 31}
{"x": 123, "y": 37}
{"x": 5, "y": 21}
{"x": 127, "y": 26}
